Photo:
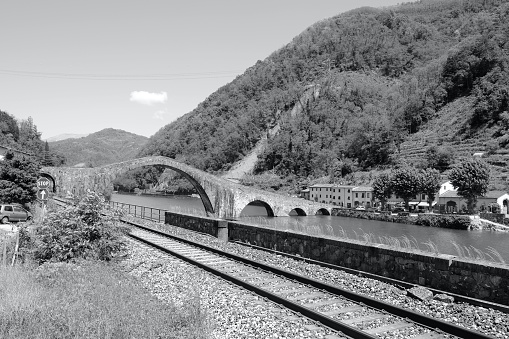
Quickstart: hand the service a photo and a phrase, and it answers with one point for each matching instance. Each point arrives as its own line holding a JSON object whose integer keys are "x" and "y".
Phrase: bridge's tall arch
{"x": 207, "y": 204}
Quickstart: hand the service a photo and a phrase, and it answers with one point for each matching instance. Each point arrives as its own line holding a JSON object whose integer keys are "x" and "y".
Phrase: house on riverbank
{"x": 451, "y": 202}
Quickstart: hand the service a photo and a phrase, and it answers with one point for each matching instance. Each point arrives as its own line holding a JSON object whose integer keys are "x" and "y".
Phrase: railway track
{"x": 354, "y": 315}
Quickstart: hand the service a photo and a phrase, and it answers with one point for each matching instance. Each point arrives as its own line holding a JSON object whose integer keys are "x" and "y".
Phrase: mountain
{"x": 100, "y": 148}
{"x": 361, "y": 91}
{"x": 65, "y": 136}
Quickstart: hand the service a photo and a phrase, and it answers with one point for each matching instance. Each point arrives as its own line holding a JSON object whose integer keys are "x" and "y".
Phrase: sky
{"x": 82, "y": 66}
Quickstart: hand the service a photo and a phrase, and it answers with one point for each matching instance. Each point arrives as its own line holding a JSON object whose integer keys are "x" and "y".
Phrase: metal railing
{"x": 143, "y": 212}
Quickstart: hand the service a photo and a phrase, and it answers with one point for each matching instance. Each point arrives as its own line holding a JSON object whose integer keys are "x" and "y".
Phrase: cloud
{"x": 159, "y": 115}
{"x": 147, "y": 98}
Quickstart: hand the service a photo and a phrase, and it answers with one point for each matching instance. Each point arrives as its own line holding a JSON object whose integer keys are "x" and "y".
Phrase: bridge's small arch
{"x": 254, "y": 209}
{"x": 297, "y": 212}
{"x": 322, "y": 211}
{"x": 50, "y": 178}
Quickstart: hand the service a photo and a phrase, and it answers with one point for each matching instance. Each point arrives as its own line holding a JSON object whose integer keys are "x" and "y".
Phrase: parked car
{"x": 361, "y": 208}
{"x": 13, "y": 212}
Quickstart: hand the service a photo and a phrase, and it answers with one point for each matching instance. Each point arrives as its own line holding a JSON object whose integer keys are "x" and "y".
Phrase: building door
{"x": 451, "y": 207}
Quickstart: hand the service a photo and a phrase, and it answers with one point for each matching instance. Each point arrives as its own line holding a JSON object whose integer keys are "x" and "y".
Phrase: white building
{"x": 338, "y": 195}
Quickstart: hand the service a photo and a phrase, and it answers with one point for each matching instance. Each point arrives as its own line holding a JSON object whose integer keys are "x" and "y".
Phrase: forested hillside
{"x": 104, "y": 147}
{"x": 22, "y": 135}
{"x": 366, "y": 82}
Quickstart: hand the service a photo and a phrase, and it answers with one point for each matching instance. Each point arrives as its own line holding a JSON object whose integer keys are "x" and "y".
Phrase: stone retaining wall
{"x": 215, "y": 227}
{"x": 445, "y": 272}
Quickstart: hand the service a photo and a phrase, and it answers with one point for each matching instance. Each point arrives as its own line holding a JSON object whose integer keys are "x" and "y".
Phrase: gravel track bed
{"x": 488, "y": 321}
{"x": 231, "y": 312}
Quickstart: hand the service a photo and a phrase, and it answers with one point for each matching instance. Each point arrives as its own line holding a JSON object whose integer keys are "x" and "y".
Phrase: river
{"x": 447, "y": 241}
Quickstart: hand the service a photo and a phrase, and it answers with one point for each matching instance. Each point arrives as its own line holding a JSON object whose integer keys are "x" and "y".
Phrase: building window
{"x": 356, "y": 195}
{"x": 326, "y": 197}
{"x": 362, "y": 195}
{"x": 367, "y": 195}
{"x": 423, "y": 196}
{"x": 348, "y": 198}
{"x": 339, "y": 190}
{"x": 348, "y": 190}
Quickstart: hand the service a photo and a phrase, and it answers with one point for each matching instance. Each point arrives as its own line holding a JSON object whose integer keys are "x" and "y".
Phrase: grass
{"x": 473, "y": 253}
{"x": 89, "y": 300}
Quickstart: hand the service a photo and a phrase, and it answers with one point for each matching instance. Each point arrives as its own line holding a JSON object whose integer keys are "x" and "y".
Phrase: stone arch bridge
{"x": 221, "y": 198}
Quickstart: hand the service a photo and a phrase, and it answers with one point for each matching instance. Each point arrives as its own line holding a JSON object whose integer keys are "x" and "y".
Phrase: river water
{"x": 447, "y": 241}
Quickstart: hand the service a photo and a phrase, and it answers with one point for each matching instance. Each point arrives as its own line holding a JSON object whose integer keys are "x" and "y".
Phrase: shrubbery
{"x": 444, "y": 221}
{"x": 431, "y": 220}
{"x": 87, "y": 230}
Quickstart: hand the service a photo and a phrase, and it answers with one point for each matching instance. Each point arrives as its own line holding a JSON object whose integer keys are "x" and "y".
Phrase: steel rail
{"x": 325, "y": 320}
{"x": 418, "y": 318}
{"x": 395, "y": 282}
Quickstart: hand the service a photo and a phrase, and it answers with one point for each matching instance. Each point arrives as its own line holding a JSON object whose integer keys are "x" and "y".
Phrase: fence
{"x": 140, "y": 211}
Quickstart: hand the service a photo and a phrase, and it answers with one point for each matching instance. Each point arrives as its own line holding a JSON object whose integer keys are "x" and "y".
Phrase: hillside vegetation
{"x": 374, "y": 88}
{"x": 101, "y": 148}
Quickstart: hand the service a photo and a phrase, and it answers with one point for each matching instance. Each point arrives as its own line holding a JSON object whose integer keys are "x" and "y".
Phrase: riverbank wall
{"x": 215, "y": 227}
{"x": 483, "y": 280}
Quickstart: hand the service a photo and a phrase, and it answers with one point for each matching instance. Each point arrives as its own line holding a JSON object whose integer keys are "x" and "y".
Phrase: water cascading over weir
{"x": 221, "y": 198}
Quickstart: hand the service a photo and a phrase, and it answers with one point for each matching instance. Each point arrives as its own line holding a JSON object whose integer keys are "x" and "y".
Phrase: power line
{"x": 169, "y": 76}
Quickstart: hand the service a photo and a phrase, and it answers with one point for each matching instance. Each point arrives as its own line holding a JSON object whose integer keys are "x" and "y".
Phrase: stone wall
{"x": 215, "y": 227}
{"x": 445, "y": 272}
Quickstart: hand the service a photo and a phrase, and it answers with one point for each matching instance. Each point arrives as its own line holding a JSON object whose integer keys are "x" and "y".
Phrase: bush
{"x": 431, "y": 220}
{"x": 444, "y": 221}
{"x": 89, "y": 229}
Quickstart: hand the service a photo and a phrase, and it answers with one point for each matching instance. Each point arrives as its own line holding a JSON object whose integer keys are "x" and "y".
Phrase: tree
{"x": 471, "y": 178}
{"x": 46, "y": 156}
{"x": 382, "y": 189}
{"x": 18, "y": 177}
{"x": 406, "y": 183}
{"x": 439, "y": 158}
{"x": 430, "y": 185}
{"x": 9, "y": 131}
{"x": 29, "y": 137}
